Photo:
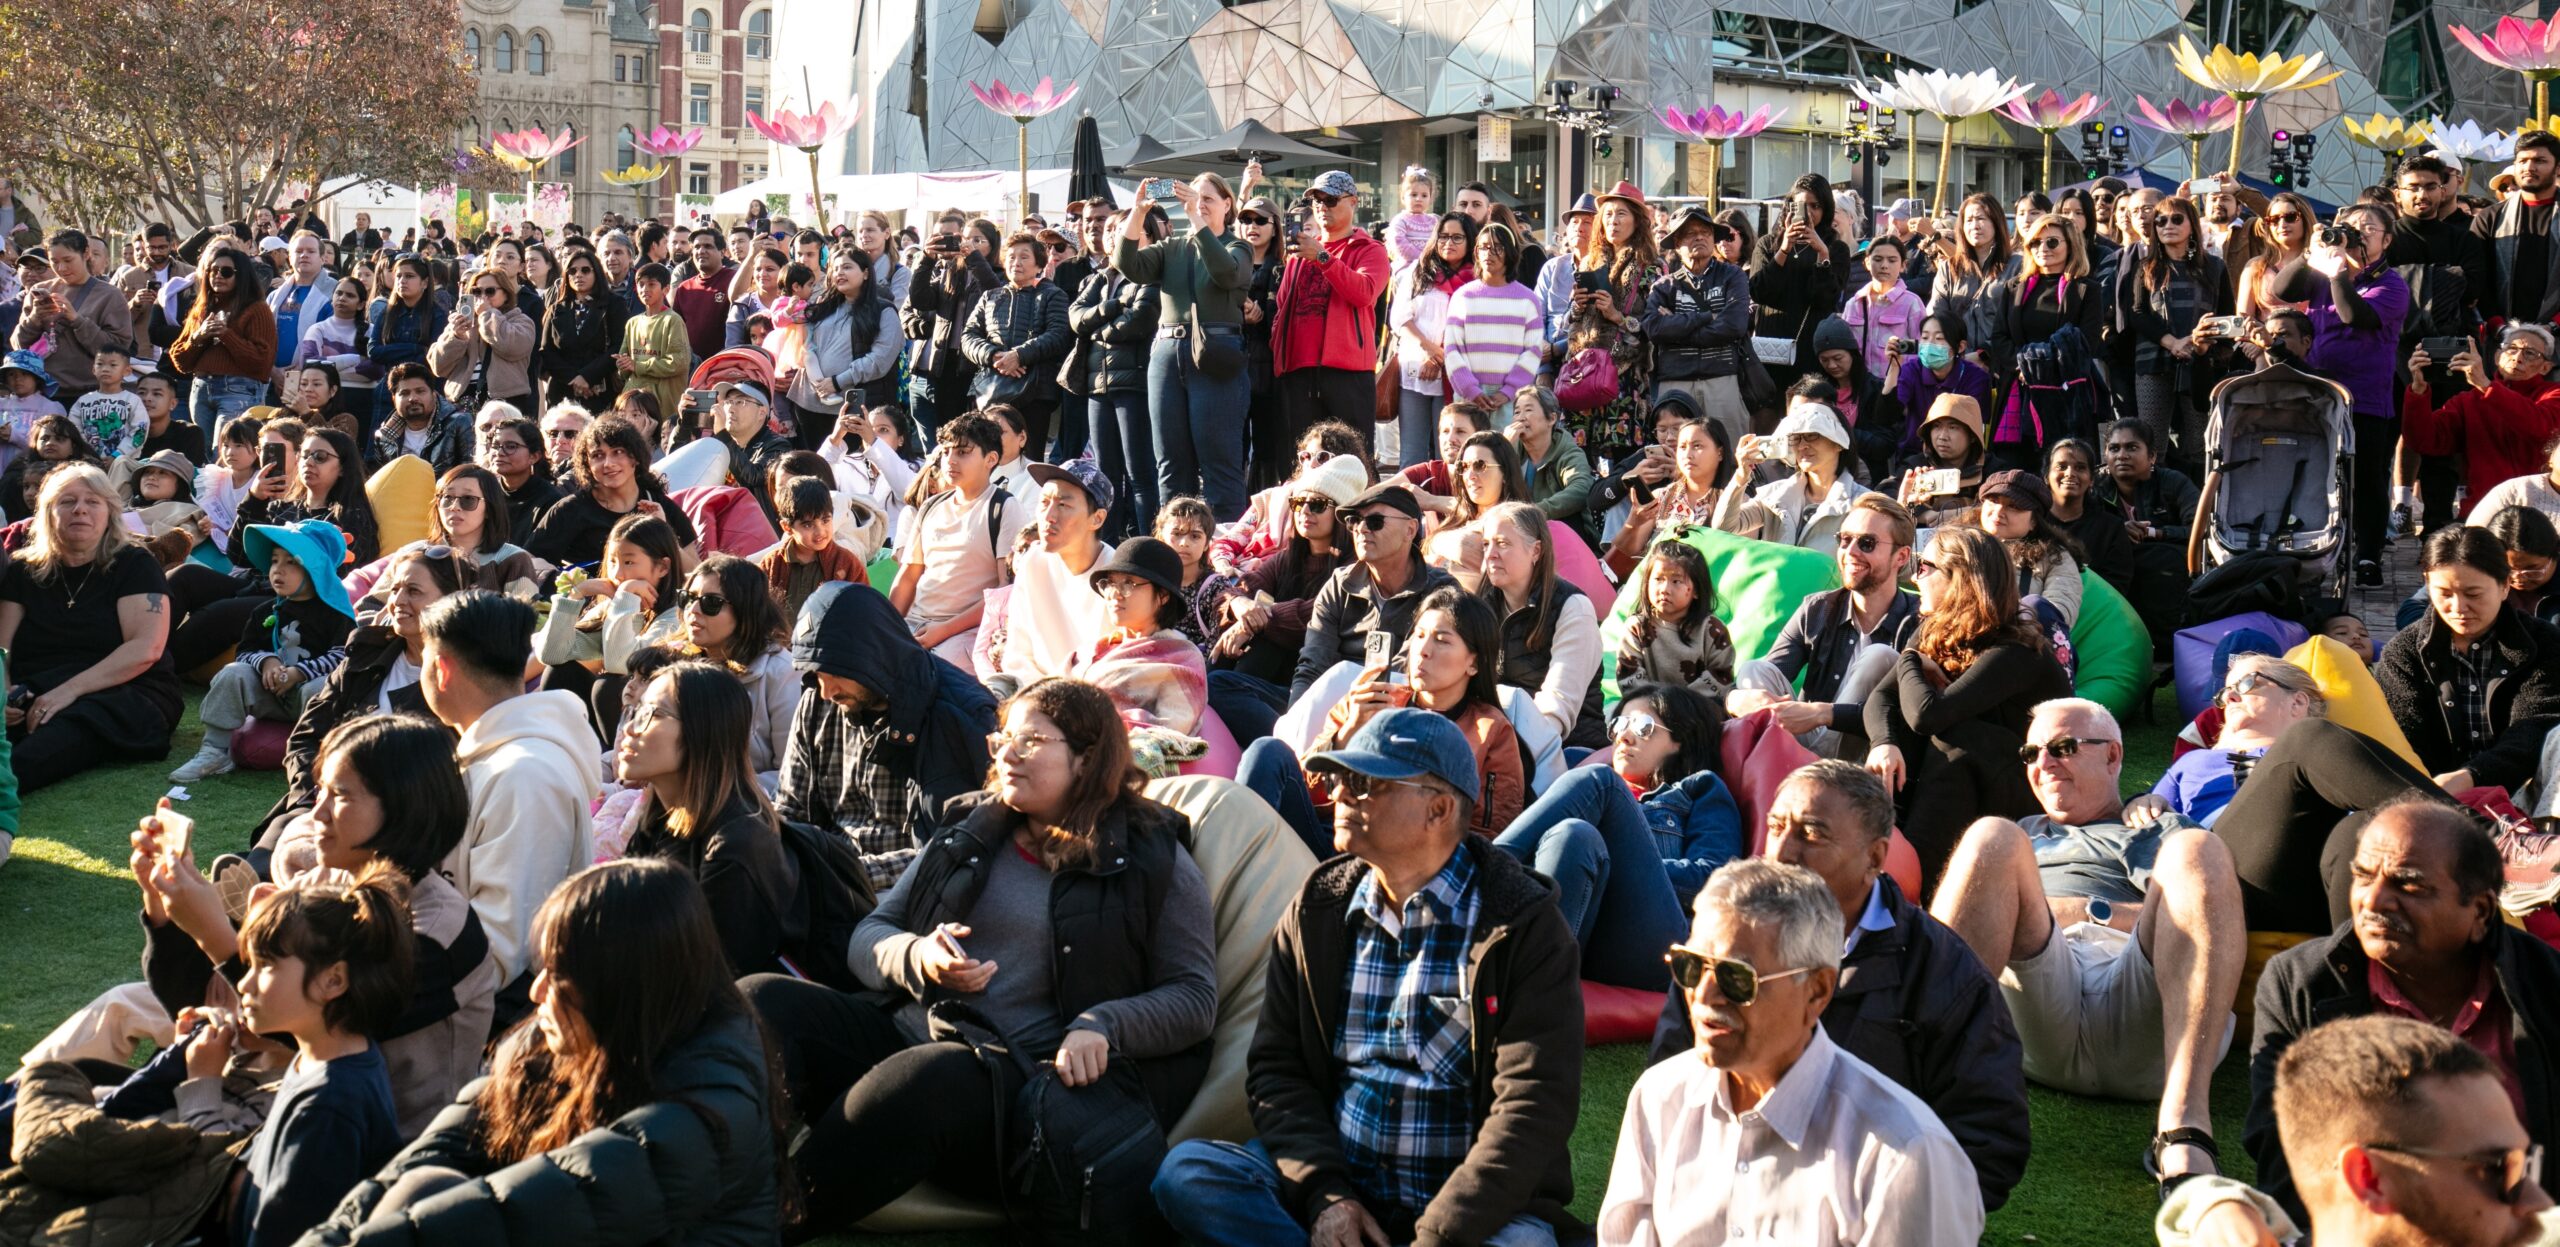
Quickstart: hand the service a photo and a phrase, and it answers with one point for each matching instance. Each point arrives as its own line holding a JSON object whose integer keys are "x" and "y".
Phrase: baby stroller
{"x": 2279, "y": 449}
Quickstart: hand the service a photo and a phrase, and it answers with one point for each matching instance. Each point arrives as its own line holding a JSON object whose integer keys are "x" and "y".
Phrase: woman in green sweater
{"x": 1197, "y": 393}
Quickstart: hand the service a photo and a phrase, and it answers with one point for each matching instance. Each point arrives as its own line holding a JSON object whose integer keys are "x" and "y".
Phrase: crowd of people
{"x": 734, "y": 690}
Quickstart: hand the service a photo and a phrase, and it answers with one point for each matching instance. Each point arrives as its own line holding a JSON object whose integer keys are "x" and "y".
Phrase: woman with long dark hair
{"x": 581, "y": 331}
{"x": 686, "y": 744}
{"x": 1115, "y": 319}
{"x": 2162, "y": 304}
{"x": 1418, "y": 314}
{"x": 1800, "y": 269}
{"x": 228, "y": 340}
{"x": 730, "y": 616}
{"x": 1620, "y": 248}
{"x": 1262, "y": 637}
{"x": 2283, "y": 236}
{"x": 2475, "y": 684}
{"x": 1946, "y": 728}
{"x": 1258, "y": 224}
{"x": 2050, "y": 395}
{"x": 405, "y": 321}
{"x": 992, "y": 916}
{"x": 1486, "y": 474}
{"x": 1629, "y": 844}
{"x": 2017, "y": 508}
{"x": 1972, "y": 263}
{"x": 849, "y": 363}
{"x": 638, "y": 1097}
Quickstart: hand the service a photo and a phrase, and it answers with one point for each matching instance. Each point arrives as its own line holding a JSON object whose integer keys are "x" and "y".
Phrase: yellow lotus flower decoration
{"x": 2247, "y": 76}
{"x": 637, "y": 175}
{"x": 2384, "y": 133}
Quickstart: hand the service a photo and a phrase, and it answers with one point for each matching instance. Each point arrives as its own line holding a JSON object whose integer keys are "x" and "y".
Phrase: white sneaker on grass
{"x": 209, "y": 761}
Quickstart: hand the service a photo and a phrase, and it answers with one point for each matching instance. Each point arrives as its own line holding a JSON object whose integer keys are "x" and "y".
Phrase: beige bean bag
{"x": 1255, "y": 866}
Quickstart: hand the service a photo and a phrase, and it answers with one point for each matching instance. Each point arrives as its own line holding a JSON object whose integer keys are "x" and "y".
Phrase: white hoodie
{"x": 533, "y": 772}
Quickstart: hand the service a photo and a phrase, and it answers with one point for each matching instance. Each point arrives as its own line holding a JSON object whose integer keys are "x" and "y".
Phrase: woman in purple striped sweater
{"x": 1496, "y": 331}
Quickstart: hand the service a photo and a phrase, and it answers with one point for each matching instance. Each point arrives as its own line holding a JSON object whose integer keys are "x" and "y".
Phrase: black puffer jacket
{"x": 1032, "y": 322}
{"x": 939, "y": 299}
{"x": 2417, "y": 673}
{"x": 694, "y": 1166}
{"x": 1114, "y": 320}
{"x": 1915, "y": 1003}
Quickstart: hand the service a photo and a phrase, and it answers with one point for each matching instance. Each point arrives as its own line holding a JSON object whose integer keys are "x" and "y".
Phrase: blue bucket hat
{"x": 32, "y": 364}
{"x": 1406, "y": 743}
{"x": 316, "y": 544}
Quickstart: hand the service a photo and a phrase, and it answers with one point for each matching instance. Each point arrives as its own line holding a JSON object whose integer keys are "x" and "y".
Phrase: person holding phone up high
{"x": 1197, "y": 388}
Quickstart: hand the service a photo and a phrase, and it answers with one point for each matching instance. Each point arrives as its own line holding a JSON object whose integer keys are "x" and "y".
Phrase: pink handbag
{"x": 1588, "y": 381}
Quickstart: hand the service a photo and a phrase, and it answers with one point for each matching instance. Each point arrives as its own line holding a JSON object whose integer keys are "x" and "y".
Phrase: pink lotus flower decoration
{"x": 806, "y": 131}
{"x": 1024, "y": 109}
{"x": 2529, "y": 48}
{"x": 663, "y": 142}
{"x": 2050, "y": 112}
{"x": 1715, "y": 125}
{"x": 2185, "y": 120}
{"x": 532, "y": 146}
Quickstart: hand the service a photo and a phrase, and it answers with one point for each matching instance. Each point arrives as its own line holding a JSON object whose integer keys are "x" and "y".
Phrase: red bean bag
{"x": 1618, "y": 1014}
{"x": 259, "y": 745}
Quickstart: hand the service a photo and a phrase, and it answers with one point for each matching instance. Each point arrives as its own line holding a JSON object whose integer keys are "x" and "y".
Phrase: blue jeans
{"x": 1229, "y": 1194}
{"x": 1125, "y": 449}
{"x": 1418, "y": 426}
{"x": 1249, "y": 705}
{"x": 1589, "y": 835}
{"x": 1199, "y": 425}
{"x": 1270, "y": 770}
{"x": 218, "y": 399}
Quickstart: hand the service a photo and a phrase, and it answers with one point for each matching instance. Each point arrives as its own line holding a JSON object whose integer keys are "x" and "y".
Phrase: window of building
{"x": 471, "y": 48}
{"x": 537, "y": 55}
{"x": 1776, "y": 47}
{"x": 566, "y": 163}
{"x": 505, "y": 60}
{"x": 622, "y": 69}
{"x": 752, "y": 172}
{"x": 697, "y": 104}
{"x": 2412, "y": 74}
{"x": 625, "y": 154}
{"x": 697, "y": 179}
{"x": 760, "y": 35}
{"x": 754, "y": 99}
{"x": 697, "y": 35}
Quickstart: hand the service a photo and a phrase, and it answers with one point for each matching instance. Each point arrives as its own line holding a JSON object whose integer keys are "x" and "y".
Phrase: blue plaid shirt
{"x": 1407, "y": 1109}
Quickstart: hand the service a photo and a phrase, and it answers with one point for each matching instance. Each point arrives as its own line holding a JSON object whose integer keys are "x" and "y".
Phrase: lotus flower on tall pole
{"x": 809, "y": 132}
{"x": 527, "y": 150}
{"x": 2385, "y": 133}
{"x": 666, "y": 144}
{"x": 1023, "y": 108}
{"x": 2518, "y": 46}
{"x": 662, "y": 146}
{"x": 1715, "y": 127}
{"x": 638, "y": 177}
{"x": 2466, "y": 141}
{"x": 2049, "y": 113}
{"x": 1888, "y": 97}
{"x": 2188, "y": 122}
{"x": 2245, "y": 77}
{"x": 1950, "y": 98}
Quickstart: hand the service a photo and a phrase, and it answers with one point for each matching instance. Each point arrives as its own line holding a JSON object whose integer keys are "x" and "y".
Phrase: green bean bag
{"x": 1758, "y": 585}
{"x": 2113, "y": 647}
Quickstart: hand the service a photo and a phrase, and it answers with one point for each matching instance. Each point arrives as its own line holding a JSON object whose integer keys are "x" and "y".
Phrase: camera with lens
{"x": 2342, "y": 237}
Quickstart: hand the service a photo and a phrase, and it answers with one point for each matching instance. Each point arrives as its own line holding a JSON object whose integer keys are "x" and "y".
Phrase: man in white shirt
{"x": 1051, "y": 612}
{"x": 1770, "y": 1132}
{"x": 961, "y": 543}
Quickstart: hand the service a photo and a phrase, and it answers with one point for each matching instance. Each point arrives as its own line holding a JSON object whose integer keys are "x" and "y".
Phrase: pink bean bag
{"x": 1224, "y": 753}
{"x": 1581, "y": 568}
{"x": 727, "y": 519}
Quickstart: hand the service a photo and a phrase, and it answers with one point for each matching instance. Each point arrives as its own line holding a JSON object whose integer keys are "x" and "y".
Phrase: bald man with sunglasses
{"x": 2118, "y": 947}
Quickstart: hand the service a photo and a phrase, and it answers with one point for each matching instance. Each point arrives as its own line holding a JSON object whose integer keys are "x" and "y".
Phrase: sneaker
{"x": 209, "y": 761}
{"x": 2368, "y": 574}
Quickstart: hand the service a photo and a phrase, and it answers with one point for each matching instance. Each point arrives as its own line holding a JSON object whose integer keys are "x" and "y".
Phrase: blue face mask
{"x": 1937, "y": 354}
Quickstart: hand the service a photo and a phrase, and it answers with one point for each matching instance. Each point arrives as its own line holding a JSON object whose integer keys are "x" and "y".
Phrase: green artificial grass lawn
{"x": 67, "y": 917}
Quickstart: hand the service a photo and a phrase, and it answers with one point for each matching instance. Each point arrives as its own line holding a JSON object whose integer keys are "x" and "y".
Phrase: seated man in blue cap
{"x": 1418, "y": 1063}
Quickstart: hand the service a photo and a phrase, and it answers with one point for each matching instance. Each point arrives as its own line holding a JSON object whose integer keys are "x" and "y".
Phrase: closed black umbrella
{"x": 1088, "y": 178}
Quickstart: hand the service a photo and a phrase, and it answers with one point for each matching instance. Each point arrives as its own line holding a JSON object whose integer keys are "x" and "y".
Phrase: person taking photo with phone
{"x": 2497, "y": 425}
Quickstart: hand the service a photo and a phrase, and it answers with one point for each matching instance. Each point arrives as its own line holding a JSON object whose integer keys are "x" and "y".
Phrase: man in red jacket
{"x": 2498, "y": 429}
{"x": 1324, "y": 338}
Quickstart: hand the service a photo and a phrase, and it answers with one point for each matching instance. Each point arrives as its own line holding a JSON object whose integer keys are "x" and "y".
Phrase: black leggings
{"x": 2292, "y": 827}
{"x": 883, "y": 1115}
{"x": 213, "y": 608}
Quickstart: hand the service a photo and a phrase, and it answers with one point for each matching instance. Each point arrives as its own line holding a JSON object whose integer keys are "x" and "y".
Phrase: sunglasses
{"x": 1736, "y": 981}
{"x": 1356, "y": 789}
{"x": 1372, "y": 521}
{"x": 2280, "y": 218}
{"x": 560, "y": 435}
{"x": 2241, "y": 686}
{"x": 1638, "y": 727}
{"x": 1863, "y": 543}
{"x": 318, "y": 456}
{"x": 2050, "y": 243}
{"x": 1310, "y": 506}
{"x": 2060, "y": 747}
{"x": 2503, "y": 1172}
{"x": 2168, "y": 218}
{"x": 460, "y": 502}
{"x": 484, "y": 292}
{"x": 1320, "y": 199}
{"x": 224, "y": 271}
{"x": 711, "y": 604}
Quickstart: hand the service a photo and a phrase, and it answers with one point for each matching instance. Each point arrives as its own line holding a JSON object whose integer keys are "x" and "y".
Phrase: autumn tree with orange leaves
{"x": 192, "y": 111}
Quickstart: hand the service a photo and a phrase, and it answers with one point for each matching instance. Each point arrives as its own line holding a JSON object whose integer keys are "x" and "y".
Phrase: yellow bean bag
{"x": 2355, "y": 699}
{"x": 403, "y": 494}
{"x": 1255, "y": 867}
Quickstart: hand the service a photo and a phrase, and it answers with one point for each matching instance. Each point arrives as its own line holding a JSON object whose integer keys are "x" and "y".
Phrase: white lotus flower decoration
{"x": 1948, "y": 97}
{"x": 2466, "y": 141}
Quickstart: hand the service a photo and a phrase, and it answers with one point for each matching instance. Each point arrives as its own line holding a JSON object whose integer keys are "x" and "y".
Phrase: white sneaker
{"x": 209, "y": 761}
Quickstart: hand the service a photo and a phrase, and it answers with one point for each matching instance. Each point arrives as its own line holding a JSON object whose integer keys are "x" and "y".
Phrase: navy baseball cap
{"x": 1336, "y": 183}
{"x": 1406, "y": 743}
